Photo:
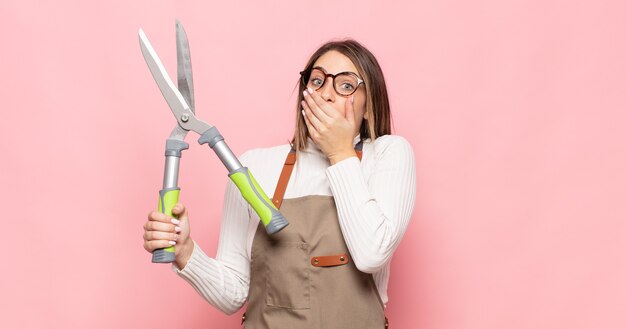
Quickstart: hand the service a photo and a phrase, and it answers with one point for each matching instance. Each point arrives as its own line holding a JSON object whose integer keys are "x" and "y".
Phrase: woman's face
{"x": 334, "y": 62}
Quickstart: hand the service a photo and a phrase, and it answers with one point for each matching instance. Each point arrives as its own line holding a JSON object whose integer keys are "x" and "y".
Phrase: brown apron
{"x": 303, "y": 277}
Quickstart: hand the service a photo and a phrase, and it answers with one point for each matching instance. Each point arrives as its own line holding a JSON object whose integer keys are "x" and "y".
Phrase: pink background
{"x": 516, "y": 111}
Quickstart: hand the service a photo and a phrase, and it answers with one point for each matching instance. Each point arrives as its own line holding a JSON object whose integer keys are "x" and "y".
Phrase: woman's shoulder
{"x": 265, "y": 155}
{"x": 265, "y": 163}
{"x": 392, "y": 145}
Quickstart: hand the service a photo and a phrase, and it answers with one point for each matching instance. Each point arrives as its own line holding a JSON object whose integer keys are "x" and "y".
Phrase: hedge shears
{"x": 181, "y": 102}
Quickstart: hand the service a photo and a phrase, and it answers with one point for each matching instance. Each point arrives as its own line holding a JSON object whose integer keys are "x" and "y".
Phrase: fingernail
{"x": 177, "y": 229}
{"x": 175, "y": 221}
{"x": 310, "y": 90}
{"x": 303, "y": 113}
{"x": 304, "y": 93}
{"x": 172, "y": 243}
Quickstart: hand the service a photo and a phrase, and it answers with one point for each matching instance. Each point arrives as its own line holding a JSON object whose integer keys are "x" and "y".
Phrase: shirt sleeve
{"x": 223, "y": 281}
{"x": 374, "y": 213}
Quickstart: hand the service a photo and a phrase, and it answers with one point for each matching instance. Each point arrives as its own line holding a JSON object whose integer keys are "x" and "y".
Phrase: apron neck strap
{"x": 290, "y": 162}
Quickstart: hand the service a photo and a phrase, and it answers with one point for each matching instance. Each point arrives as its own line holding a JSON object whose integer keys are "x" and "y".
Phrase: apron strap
{"x": 281, "y": 187}
{"x": 290, "y": 162}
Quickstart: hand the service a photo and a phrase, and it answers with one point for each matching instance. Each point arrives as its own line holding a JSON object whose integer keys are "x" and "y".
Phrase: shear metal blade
{"x": 171, "y": 94}
{"x": 185, "y": 117}
{"x": 183, "y": 56}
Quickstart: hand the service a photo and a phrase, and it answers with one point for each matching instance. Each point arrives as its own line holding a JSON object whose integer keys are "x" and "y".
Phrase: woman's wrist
{"x": 340, "y": 156}
{"x": 184, "y": 252}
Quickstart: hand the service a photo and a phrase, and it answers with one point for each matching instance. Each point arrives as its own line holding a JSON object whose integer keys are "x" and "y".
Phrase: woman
{"x": 348, "y": 204}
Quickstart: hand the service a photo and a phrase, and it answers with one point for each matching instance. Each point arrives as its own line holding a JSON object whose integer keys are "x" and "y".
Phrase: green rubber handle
{"x": 168, "y": 198}
{"x": 271, "y": 218}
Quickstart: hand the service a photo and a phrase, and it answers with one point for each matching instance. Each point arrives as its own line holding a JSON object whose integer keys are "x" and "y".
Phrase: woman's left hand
{"x": 330, "y": 130}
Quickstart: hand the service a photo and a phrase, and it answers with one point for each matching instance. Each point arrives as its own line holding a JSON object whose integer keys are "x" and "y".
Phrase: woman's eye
{"x": 316, "y": 81}
{"x": 347, "y": 86}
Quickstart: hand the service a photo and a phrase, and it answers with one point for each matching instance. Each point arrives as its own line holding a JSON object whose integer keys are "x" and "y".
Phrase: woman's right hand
{"x": 162, "y": 231}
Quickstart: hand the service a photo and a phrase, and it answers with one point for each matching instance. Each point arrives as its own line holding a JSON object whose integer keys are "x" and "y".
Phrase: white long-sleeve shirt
{"x": 374, "y": 199}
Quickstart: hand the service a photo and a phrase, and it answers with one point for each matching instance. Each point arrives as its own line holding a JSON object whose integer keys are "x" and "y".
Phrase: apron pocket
{"x": 287, "y": 275}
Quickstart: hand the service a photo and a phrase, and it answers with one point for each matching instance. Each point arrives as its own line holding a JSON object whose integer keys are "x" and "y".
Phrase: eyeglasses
{"x": 345, "y": 83}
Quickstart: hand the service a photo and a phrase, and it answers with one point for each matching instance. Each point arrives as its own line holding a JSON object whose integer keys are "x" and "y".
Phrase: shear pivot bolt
{"x": 184, "y": 117}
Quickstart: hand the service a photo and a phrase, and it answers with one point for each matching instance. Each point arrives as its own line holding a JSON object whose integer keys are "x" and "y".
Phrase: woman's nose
{"x": 328, "y": 92}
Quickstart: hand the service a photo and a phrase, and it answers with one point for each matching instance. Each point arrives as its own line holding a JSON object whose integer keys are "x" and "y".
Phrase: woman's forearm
{"x": 374, "y": 213}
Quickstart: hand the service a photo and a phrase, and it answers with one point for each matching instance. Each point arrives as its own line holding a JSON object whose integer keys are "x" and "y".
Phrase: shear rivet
{"x": 342, "y": 258}
{"x": 184, "y": 117}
